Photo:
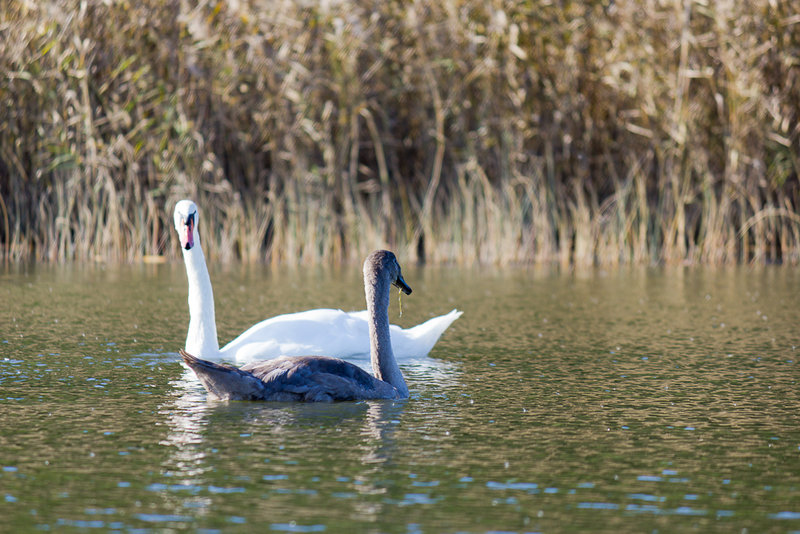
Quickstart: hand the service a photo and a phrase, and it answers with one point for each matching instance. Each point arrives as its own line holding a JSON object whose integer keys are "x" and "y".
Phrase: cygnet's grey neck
{"x": 384, "y": 365}
{"x": 202, "y": 336}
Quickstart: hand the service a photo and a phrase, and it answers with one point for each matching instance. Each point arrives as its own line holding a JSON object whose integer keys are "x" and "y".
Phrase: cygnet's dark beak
{"x": 402, "y": 285}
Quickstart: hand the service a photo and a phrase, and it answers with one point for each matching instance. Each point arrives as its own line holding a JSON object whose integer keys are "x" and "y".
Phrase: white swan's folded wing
{"x": 323, "y": 331}
{"x": 332, "y": 333}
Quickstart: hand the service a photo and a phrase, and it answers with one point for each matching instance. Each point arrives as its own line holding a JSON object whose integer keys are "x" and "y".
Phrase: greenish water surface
{"x": 638, "y": 400}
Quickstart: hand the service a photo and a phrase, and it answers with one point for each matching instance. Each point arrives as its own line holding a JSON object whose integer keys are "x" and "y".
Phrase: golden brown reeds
{"x": 564, "y": 132}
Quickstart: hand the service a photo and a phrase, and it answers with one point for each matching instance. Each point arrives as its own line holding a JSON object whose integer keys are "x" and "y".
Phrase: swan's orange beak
{"x": 187, "y": 233}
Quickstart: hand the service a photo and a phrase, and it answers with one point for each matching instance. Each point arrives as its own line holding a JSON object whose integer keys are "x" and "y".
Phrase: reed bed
{"x": 571, "y": 132}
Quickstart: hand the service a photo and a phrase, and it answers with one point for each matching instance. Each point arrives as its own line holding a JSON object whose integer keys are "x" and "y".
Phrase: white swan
{"x": 320, "y": 378}
{"x": 312, "y": 332}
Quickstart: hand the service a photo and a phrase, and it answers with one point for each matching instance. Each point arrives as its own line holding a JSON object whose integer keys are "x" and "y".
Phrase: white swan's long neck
{"x": 201, "y": 340}
{"x": 384, "y": 364}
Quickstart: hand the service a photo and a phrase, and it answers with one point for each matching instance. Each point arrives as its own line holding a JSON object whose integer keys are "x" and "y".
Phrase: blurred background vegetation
{"x": 501, "y": 131}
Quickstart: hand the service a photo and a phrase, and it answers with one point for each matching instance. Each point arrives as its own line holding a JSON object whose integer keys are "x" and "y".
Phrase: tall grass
{"x": 459, "y": 130}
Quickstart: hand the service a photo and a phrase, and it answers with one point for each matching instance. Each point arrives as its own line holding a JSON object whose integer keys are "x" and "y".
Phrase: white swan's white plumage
{"x": 322, "y": 331}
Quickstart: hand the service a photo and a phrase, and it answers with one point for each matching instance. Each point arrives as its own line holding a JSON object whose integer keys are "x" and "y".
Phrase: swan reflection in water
{"x": 199, "y": 429}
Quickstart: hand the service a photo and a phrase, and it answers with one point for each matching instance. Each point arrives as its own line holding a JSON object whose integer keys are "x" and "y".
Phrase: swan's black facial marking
{"x": 189, "y": 223}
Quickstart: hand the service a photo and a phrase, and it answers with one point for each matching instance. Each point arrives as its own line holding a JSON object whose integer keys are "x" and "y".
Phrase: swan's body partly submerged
{"x": 319, "y": 378}
{"x": 313, "y": 332}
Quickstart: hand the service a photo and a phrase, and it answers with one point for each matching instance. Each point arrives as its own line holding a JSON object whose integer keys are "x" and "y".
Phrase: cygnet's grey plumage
{"x": 290, "y": 378}
{"x": 320, "y": 378}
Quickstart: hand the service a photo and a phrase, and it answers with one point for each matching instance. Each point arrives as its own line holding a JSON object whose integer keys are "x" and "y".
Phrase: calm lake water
{"x": 637, "y": 400}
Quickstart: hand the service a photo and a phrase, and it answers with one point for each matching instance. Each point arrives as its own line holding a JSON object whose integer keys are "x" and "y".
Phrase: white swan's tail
{"x": 418, "y": 341}
{"x": 223, "y": 381}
